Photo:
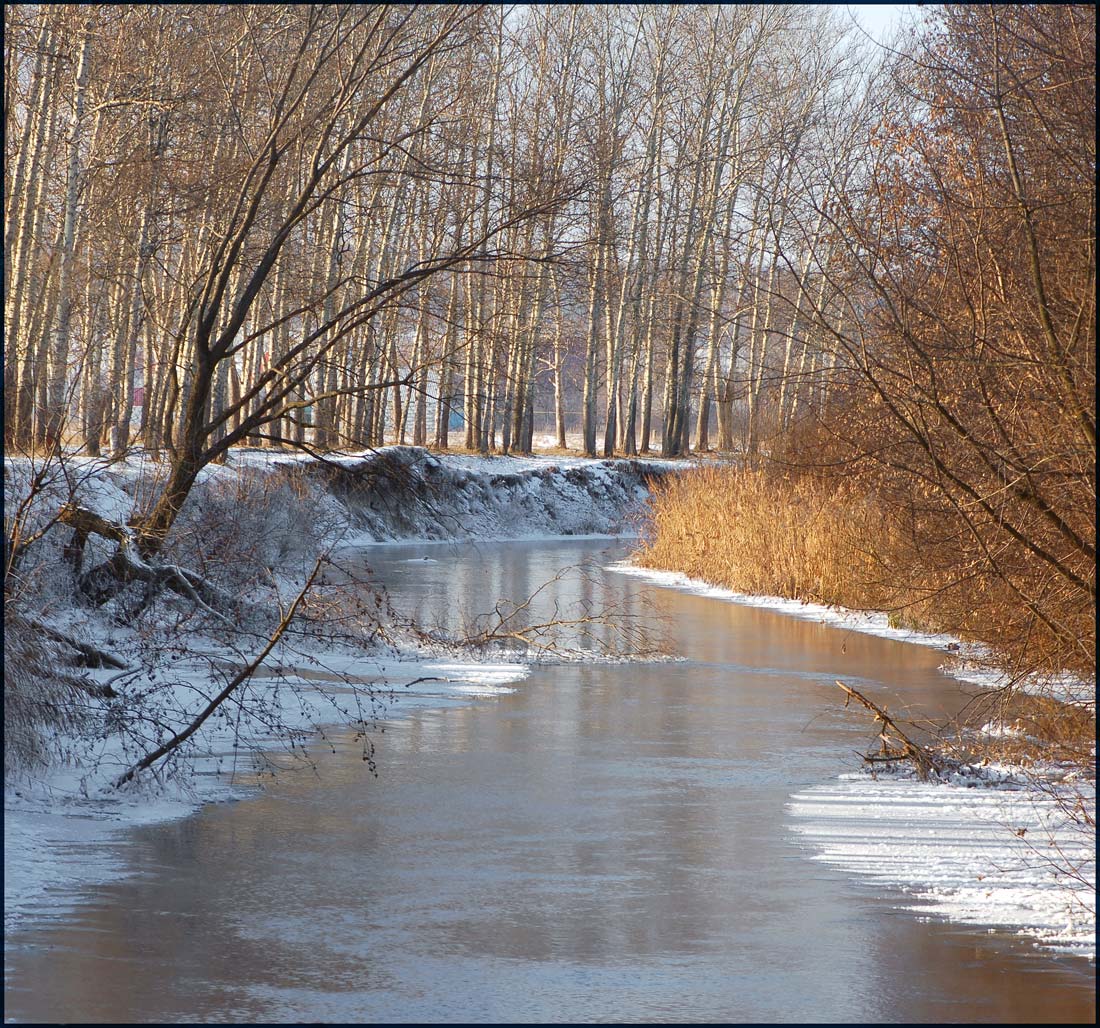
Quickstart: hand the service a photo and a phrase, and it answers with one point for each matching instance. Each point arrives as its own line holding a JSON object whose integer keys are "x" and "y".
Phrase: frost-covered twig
{"x": 241, "y": 677}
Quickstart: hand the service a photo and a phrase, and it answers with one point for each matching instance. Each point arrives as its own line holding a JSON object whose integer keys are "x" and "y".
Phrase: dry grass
{"x": 40, "y": 698}
{"x": 831, "y": 541}
{"x": 834, "y": 541}
{"x": 767, "y": 534}
{"x": 1012, "y": 727}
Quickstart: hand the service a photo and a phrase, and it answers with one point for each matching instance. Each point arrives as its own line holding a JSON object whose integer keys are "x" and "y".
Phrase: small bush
{"x": 238, "y": 526}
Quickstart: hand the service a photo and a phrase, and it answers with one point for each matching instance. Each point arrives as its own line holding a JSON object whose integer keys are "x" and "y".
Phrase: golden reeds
{"x": 770, "y": 534}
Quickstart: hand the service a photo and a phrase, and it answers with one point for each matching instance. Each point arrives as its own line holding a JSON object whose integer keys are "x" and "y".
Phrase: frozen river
{"x": 608, "y": 842}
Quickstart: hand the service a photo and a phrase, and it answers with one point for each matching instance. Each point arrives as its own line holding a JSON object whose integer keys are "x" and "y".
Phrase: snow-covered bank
{"x": 405, "y": 493}
{"x": 394, "y": 493}
{"x": 1002, "y": 848}
{"x": 65, "y": 828}
{"x": 856, "y": 621}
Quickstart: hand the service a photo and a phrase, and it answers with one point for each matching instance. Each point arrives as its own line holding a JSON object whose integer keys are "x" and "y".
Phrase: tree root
{"x": 896, "y": 745}
{"x": 127, "y": 565}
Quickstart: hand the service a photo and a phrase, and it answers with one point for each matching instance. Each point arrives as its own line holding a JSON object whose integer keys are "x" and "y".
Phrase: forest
{"x": 580, "y": 394}
{"x": 667, "y": 229}
{"x": 451, "y": 226}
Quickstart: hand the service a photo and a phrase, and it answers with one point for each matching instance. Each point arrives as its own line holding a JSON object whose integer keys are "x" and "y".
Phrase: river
{"x": 609, "y": 842}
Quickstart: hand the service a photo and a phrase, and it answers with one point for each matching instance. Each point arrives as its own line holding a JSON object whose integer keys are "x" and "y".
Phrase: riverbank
{"x": 290, "y": 509}
{"x": 969, "y": 662}
{"x": 827, "y": 535}
{"x": 255, "y": 525}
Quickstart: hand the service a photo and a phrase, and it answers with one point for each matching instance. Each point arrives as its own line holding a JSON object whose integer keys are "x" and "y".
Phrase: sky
{"x": 880, "y": 19}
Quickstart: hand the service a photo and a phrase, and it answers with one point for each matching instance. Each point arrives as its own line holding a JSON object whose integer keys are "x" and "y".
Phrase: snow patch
{"x": 1009, "y": 857}
{"x": 990, "y": 849}
{"x": 65, "y": 832}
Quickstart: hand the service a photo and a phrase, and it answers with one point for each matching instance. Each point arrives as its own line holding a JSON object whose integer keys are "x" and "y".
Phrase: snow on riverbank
{"x": 402, "y": 493}
{"x": 65, "y": 829}
{"x": 394, "y": 493}
{"x": 1003, "y": 849}
{"x": 856, "y": 621}
{"x": 953, "y": 849}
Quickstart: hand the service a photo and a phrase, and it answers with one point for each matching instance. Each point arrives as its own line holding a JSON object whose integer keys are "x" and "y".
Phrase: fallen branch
{"x": 896, "y": 745}
{"x": 93, "y": 655}
{"x": 241, "y": 677}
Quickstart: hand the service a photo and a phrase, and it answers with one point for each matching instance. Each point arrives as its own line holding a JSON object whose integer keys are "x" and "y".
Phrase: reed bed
{"x": 832, "y": 541}
{"x": 769, "y": 534}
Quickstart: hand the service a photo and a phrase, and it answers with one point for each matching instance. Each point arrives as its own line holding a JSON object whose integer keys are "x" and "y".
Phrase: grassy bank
{"x": 839, "y": 542}
{"x": 766, "y": 534}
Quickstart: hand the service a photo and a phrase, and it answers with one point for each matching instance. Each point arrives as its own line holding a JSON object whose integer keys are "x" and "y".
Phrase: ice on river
{"x": 480, "y": 679}
{"x": 65, "y": 833}
{"x": 1005, "y": 857}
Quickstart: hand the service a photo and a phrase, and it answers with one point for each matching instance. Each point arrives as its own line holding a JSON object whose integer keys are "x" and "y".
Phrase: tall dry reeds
{"x": 857, "y": 542}
{"x": 772, "y": 534}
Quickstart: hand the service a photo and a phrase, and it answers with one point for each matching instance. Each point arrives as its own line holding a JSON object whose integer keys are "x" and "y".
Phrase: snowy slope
{"x": 405, "y": 493}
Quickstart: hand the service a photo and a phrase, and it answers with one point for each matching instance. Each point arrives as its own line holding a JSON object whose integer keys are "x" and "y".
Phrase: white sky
{"x": 879, "y": 20}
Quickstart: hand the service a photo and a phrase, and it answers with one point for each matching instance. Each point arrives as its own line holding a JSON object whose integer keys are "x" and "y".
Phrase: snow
{"x": 952, "y": 848}
{"x": 967, "y": 662}
{"x": 1003, "y": 855}
{"x": 65, "y": 832}
{"x": 856, "y": 621}
{"x": 407, "y": 494}
{"x": 972, "y": 664}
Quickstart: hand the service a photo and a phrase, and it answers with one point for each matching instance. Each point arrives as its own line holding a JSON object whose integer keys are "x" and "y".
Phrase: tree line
{"x": 734, "y": 227}
{"x": 966, "y": 395}
{"x": 333, "y": 225}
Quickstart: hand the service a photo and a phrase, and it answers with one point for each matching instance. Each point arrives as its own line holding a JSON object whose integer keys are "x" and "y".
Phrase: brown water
{"x": 608, "y": 843}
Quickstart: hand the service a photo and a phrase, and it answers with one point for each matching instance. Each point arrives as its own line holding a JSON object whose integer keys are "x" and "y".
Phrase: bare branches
{"x": 896, "y": 745}
{"x": 963, "y": 389}
{"x": 231, "y": 686}
{"x": 539, "y": 625}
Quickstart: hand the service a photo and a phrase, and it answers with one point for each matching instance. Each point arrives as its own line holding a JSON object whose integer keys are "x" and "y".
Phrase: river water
{"x": 609, "y": 842}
